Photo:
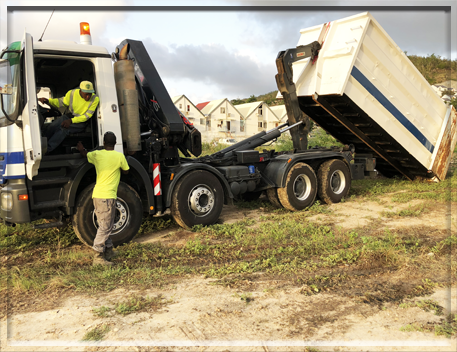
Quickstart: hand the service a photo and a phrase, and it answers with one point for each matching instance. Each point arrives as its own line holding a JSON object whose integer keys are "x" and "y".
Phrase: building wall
{"x": 224, "y": 122}
{"x": 190, "y": 111}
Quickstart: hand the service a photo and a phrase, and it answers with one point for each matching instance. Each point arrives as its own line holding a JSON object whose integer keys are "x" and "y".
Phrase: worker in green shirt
{"x": 82, "y": 103}
{"x": 108, "y": 165}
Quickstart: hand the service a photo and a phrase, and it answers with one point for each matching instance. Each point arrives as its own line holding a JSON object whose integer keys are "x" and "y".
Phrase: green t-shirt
{"x": 108, "y": 164}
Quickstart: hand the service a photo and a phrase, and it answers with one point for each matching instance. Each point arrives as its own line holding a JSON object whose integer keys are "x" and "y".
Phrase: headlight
{"x": 7, "y": 201}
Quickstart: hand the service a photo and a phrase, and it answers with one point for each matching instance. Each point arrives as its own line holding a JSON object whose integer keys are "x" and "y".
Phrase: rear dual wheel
{"x": 300, "y": 188}
{"x": 334, "y": 181}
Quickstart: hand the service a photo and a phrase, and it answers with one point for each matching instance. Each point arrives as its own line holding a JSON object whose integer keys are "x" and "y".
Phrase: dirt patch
{"x": 203, "y": 314}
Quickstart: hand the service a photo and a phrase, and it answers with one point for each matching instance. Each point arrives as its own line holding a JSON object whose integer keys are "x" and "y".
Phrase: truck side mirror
{"x": 5, "y": 77}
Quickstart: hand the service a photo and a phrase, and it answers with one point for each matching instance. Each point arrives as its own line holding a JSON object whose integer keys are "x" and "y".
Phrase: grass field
{"x": 279, "y": 245}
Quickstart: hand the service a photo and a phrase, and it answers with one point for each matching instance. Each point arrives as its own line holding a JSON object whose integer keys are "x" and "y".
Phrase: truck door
{"x": 30, "y": 123}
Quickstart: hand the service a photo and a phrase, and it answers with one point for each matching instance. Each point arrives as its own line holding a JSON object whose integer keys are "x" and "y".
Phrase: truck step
{"x": 49, "y": 204}
{"x": 50, "y": 181}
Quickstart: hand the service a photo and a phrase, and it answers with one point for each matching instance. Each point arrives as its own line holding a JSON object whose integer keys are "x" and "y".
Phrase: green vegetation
{"x": 96, "y": 334}
{"x": 403, "y": 191}
{"x": 434, "y": 68}
{"x": 426, "y": 305}
{"x": 137, "y": 304}
{"x": 101, "y": 312}
{"x": 284, "y": 243}
{"x": 134, "y": 304}
{"x": 269, "y": 98}
{"x": 447, "y": 327}
{"x": 412, "y": 211}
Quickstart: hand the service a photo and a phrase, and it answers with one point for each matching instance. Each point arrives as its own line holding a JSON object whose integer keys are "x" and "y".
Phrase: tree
{"x": 251, "y": 99}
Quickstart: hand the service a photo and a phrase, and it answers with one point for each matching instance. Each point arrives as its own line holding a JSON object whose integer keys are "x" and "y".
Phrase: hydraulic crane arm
{"x": 286, "y": 87}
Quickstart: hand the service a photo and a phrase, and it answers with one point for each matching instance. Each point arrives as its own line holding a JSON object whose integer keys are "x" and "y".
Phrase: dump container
{"x": 363, "y": 89}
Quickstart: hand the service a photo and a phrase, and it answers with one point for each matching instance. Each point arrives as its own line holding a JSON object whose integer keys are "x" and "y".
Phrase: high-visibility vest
{"x": 82, "y": 110}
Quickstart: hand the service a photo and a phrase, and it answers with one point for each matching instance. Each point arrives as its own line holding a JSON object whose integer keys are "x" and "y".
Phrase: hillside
{"x": 434, "y": 68}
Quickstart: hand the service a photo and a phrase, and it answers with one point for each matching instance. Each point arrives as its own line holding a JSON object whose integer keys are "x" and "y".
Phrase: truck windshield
{"x": 10, "y": 102}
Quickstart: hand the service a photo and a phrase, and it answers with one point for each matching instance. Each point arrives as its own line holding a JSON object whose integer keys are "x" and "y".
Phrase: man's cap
{"x": 87, "y": 87}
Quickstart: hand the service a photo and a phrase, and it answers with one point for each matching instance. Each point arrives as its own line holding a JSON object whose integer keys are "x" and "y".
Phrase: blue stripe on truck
{"x": 391, "y": 108}
{"x": 10, "y": 158}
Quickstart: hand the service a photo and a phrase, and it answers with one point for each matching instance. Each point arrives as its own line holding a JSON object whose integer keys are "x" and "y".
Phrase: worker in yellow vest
{"x": 82, "y": 103}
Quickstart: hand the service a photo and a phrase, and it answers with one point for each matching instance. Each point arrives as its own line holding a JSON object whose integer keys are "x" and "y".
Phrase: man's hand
{"x": 43, "y": 100}
{"x": 80, "y": 146}
{"x": 66, "y": 123}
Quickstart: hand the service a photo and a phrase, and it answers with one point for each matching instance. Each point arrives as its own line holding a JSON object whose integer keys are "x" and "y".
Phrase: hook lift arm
{"x": 287, "y": 88}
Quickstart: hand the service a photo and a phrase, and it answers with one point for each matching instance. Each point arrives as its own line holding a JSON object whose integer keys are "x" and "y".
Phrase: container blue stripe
{"x": 391, "y": 108}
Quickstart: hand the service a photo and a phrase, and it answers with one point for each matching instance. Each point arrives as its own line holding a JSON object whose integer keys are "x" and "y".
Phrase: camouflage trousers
{"x": 105, "y": 209}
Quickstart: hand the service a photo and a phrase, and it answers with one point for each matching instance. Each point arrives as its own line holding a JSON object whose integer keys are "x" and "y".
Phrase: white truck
{"x": 135, "y": 105}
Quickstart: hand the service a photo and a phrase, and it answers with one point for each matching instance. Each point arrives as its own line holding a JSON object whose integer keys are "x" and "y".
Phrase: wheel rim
{"x": 337, "y": 182}
{"x": 201, "y": 200}
{"x": 302, "y": 187}
{"x": 121, "y": 219}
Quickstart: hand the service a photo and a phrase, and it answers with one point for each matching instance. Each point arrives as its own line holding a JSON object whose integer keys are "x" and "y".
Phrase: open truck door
{"x": 30, "y": 121}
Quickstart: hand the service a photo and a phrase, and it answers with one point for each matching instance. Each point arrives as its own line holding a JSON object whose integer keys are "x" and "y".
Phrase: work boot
{"x": 99, "y": 259}
{"x": 110, "y": 253}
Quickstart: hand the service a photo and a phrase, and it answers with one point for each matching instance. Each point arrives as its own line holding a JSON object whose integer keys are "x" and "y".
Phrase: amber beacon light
{"x": 85, "y": 33}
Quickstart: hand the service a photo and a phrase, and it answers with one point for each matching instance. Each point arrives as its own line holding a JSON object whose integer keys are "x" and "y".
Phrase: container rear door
{"x": 31, "y": 125}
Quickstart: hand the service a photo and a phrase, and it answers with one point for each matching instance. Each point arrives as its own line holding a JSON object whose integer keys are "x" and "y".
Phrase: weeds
{"x": 137, "y": 304}
{"x": 101, "y": 312}
{"x": 411, "y": 211}
{"x": 96, "y": 334}
{"x": 246, "y": 297}
{"x": 447, "y": 327}
{"x": 426, "y": 305}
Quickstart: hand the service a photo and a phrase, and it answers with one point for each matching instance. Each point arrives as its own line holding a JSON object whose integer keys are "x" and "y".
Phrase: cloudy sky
{"x": 226, "y": 50}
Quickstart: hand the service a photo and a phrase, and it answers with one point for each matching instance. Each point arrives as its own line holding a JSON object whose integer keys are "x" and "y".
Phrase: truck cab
{"x": 33, "y": 184}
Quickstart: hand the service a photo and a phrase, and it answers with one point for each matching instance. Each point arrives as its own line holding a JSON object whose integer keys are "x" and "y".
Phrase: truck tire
{"x": 334, "y": 181}
{"x": 129, "y": 215}
{"x": 197, "y": 199}
{"x": 300, "y": 189}
{"x": 272, "y": 195}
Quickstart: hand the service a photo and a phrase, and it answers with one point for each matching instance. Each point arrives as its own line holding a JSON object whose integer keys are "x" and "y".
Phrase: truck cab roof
{"x": 69, "y": 47}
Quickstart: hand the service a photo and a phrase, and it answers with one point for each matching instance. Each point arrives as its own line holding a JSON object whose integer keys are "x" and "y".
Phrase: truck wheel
{"x": 334, "y": 180}
{"x": 129, "y": 215}
{"x": 300, "y": 189}
{"x": 197, "y": 199}
{"x": 272, "y": 195}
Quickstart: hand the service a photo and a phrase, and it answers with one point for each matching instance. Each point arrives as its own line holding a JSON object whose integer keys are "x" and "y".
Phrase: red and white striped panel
{"x": 157, "y": 178}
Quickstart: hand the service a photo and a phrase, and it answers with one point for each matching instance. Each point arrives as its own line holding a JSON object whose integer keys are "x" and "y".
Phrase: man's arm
{"x": 82, "y": 150}
{"x": 124, "y": 165}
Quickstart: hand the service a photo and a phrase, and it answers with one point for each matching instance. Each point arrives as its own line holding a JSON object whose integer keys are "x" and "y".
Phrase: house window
{"x": 222, "y": 110}
{"x": 180, "y": 106}
{"x": 241, "y": 125}
{"x": 276, "y": 124}
{"x": 260, "y": 111}
{"x": 260, "y": 124}
{"x": 188, "y": 107}
{"x": 202, "y": 122}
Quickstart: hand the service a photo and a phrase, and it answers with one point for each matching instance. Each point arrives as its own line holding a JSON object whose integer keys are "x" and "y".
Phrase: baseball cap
{"x": 87, "y": 87}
